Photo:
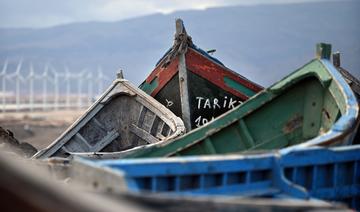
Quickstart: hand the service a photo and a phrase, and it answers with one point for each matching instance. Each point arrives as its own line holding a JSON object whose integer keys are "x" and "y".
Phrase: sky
{"x": 45, "y": 13}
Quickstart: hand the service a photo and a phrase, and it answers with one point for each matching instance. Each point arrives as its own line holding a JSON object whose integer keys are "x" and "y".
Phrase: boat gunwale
{"x": 257, "y": 87}
{"x": 215, "y": 158}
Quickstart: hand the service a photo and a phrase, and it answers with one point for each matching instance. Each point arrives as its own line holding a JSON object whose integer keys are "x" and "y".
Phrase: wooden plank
{"x": 183, "y": 78}
{"x": 74, "y": 129}
{"x": 143, "y": 134}
{"x": 140, "y": 121}
{"x": 323, "y": 51}
{"x": 159, "y": 136}
{"x": 142, "y": 115}
{"x": 249, "y": 141}
{"x": 170, "y": 132}
{"x": 156, "y": 107}
{"x": 184, "y": 92}
{"x": 112, "y": 135}
{"x": 154, "y": 125}
{"x": 76, "y": 144}
{"x": 160, "y": 127}
{"x": 313, "y": 106}
{"x": 148, "y": 121}
{"x": 209, "y": 146}
{"x": 82, "y": 139}
{"x": 65, "y": 149}
{"x": 165, "y": 130}
{"x": 99, "y": 124}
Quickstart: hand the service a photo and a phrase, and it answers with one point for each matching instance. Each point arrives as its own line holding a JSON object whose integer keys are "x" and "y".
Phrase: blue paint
{"x": 328, "y": 174}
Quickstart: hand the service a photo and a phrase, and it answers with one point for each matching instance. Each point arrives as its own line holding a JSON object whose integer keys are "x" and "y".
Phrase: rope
{"x": 181, "y": 42}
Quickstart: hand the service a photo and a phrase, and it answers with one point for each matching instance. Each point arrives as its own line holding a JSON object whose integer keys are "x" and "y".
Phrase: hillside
{"x": 263, "y": 42}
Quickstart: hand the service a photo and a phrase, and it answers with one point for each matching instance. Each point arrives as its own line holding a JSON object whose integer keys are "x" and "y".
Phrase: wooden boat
{"x": 312, "y": 106}
{"x": 313, "y": 173}
{"x": 353, "y": 82}
{"x": 194, "y": 85}
{"x": 124, "y": 117}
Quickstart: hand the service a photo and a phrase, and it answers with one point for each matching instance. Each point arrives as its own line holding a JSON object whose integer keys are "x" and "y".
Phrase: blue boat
{"x": 315, "y": 173}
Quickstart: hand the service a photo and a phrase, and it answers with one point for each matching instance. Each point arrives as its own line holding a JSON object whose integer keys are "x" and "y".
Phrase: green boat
{"x": 312, "y": 106}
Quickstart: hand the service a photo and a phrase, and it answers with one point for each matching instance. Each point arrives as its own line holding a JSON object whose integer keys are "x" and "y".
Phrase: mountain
{"x": 262, "y": 42}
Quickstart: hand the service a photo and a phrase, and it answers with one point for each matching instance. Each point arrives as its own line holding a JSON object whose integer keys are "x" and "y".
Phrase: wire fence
{"x": 48, "y": 89}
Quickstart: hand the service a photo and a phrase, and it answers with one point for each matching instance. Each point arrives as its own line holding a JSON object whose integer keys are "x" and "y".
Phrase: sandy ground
{"x": 38, "y": 128}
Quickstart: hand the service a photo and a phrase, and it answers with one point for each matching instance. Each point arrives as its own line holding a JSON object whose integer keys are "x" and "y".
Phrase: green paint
{"x": 239, "y": 87}
{"x": 247, "y": 139}
{"x": 282, "y": 115}
{"x": 149, "y": 87}
{"x": 313, "y": 103}
{"x": 209, "y": 146}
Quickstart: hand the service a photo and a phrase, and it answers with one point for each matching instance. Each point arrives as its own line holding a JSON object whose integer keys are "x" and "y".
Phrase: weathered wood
{"x": 105, "y": 141}
{"x": 147, "y": 102}
{"x": 148, "y": 121}
{"x": 99, "y": 124}
{"x": 184, "y": 92}
{"x": 350, "y": 79}
{"x": 323, "y": 51}
{"x": 76, "y": 143}
{"x": 183, "y": 78}
{"x": 142, "y": 115}
{"x": 155, "y": 125}
{"x": 58, "y": 143}
{"x": 312, "y": 106}
{"x": 65, "y": 149}
{"x": 143, "y": 134}
{"x": 79, "y": 136}
{"x": 186, "y": 75}
{"x": 105, "y": 126}
{"x": 336, "y": 59}
{"x": 165, "y": 130}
